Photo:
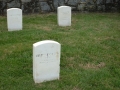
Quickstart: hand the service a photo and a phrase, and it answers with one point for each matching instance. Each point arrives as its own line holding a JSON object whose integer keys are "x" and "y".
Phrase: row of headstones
{"x": 46, "y": 54}
{"x": 14, "y": 17}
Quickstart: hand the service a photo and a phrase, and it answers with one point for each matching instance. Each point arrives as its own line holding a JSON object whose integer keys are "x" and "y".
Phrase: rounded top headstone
{"x": 14, "y": 9}
{"x": 44, "y": 42}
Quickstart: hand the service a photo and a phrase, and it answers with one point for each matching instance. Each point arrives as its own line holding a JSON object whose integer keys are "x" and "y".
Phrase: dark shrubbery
{"x": 32, "y": 6}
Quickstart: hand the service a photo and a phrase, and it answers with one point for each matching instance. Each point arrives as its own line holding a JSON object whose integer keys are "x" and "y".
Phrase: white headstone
{"x": 46, "y": 61}
{"x": 14, "y": 19}
{"x": 64, "y": 16}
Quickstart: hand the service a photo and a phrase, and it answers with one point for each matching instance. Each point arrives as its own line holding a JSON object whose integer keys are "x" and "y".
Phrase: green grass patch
{"x": 90, "y": 55}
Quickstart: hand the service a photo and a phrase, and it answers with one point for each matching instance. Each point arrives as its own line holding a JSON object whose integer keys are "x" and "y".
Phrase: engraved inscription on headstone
{"x": 46, "y": 61}
{"x": 14, "y": 19}
{"x": 64, "y": 16}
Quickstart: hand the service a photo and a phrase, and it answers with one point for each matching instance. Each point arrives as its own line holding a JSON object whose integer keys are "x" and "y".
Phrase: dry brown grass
{"x": 92, "y": 66}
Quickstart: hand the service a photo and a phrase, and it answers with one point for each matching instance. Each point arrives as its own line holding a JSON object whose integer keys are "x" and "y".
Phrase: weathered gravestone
{"x": 46, "y": 61}
{"x": 64, "y": 16}
{"x": 14, "y": 19}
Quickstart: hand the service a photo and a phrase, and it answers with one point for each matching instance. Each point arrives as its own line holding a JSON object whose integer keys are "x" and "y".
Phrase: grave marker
{"x": 46, "y": 61}
{"x": 14, "y": 19}
{"x": 64, "y": 16}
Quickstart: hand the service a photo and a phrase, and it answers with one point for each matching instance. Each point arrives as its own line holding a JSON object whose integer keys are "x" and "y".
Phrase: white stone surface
{"x": 64, "y": 16}
{"x": 46, "y": 61}
{"x": 14, "y": 19}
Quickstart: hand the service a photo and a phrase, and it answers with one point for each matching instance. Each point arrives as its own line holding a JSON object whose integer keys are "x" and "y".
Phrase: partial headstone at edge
{"x": 46, "y": 61}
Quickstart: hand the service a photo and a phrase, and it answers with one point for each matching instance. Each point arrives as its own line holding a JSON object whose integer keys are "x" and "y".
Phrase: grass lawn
{"x": 90, "y": 55}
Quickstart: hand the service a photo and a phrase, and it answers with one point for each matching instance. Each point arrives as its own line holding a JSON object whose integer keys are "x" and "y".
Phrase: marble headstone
{"x": 46, "y": 61}
{"x": 64, "y": 16}
{"x": 14, "y": 19}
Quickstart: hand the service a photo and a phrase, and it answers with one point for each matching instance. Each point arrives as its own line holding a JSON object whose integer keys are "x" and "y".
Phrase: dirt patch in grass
{"x": 75, "y": 88}
{"x": 36, "y": 26}
{"x": 92, "y": 66}
{"x": 46, "y": 28}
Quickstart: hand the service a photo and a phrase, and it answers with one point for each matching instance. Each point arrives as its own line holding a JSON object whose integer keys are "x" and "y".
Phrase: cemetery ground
{"x": 90, "y": 52}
